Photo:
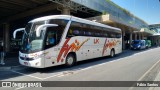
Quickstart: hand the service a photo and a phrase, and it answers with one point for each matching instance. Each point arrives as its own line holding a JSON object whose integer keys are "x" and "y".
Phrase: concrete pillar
{"x": 6, "y": 37}
{"x": 139, "y": 36}
{"x": 152, "y": 38}
{"x": 135, "y": 38}
{"x": 156, "y": 39}
{"x": 123, "y": 41}
{"x": 66, "y": 11}
{"x": 130, "y": 39}
{"x": 142, "y": 36}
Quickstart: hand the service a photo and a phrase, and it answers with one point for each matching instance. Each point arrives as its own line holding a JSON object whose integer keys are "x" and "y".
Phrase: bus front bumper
{"x": 37, "y": 63}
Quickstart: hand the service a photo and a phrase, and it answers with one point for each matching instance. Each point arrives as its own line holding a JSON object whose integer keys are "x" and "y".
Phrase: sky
{"x": 147, "y": 10}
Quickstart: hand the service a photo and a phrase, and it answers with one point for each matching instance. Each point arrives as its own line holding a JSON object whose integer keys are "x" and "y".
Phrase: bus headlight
{"x": 139, "y": 46}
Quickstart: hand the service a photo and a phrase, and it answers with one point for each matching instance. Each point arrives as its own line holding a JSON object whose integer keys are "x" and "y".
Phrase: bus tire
{"x": 70, "y": 60}
{"x": 112, "y": 53}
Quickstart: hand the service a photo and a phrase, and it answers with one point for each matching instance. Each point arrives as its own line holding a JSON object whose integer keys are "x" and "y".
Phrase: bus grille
{"x": 26, "y": 59}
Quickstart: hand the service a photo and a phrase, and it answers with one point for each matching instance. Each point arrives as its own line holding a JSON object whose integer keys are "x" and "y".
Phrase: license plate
{"x": 25, "y": 63}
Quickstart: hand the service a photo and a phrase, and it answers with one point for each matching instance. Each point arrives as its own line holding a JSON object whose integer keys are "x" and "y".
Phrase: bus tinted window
{"x": 82, "y": 29}
{"x": 88, "y": 33}
{"x": 75, "y": 32}
{"x": 118, "y": 36}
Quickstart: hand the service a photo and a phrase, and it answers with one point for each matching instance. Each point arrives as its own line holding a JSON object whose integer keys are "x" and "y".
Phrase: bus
{"x": 64, "y": 39}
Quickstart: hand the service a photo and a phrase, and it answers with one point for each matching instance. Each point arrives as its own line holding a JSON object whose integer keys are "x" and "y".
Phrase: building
{"x": 156, "y": 36}
{"x": 16, "y": 13}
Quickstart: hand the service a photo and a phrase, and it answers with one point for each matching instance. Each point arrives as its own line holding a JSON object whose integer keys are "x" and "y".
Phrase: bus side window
{"x": 74, "y": 29}
{"x": 70, "y": 33}
{"x": 76, "y": 32}
{"x": 112, "y": 35}
{"x": 118, "y": 35}
{"x": 106, "y": 34}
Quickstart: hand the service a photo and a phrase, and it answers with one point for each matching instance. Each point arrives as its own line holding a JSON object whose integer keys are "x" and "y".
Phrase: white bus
{"x": 63, "y": 39}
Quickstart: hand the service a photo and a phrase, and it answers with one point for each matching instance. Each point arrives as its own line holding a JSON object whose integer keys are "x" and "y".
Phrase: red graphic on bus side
{"x": 75, "y": 46}
{"x": 108, "y": 44}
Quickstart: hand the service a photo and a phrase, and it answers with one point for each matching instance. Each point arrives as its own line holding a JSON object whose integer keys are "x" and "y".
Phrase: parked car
{"x": 148, "y": 43}
{"x": 138, "y": 44}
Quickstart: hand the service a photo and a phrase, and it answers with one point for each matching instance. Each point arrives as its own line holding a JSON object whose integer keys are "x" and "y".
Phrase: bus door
{"x": 52, "y": 39}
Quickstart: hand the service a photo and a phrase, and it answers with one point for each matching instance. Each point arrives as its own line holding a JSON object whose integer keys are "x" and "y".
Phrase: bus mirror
{"x": 38, "y": 30}
{"x": 17, "y": 30}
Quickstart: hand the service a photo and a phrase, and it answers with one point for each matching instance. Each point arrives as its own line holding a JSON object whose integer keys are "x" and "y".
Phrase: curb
{"x": 10, "y": 67}
{"x": 5, "y": 68}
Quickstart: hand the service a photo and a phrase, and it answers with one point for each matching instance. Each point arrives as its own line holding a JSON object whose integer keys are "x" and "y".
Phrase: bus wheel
{"x": 112, "y": 53}
{"x": 70, "y": 60}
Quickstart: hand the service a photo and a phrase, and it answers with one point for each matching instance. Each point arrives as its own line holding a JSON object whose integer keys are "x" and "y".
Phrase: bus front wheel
{"x": 70, "y": 60}
{"x": 112, "y": 53}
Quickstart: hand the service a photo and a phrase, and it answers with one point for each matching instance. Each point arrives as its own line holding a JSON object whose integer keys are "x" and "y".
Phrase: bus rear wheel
{"x": 70, "y": 60}
{"x": 112, "y": 53}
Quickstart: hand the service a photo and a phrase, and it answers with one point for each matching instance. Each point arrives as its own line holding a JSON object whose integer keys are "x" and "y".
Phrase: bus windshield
{"x": 31, "y": 43}
{"x": 135, "y": 42}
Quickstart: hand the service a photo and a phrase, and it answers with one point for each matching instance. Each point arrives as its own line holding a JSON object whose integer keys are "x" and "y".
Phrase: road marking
{"x": 61, "y": 74}
{"x": 110, "y": 61}
{"x": 148, "y": 71}
{"x": 19, "y": 88}
{"x": 57, "y": 75}
{"x": 27, "y": 75}
{"x": 140, "y": 79}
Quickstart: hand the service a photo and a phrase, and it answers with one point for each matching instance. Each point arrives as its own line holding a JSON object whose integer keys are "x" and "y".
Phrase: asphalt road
{"x": 128, "y": 66}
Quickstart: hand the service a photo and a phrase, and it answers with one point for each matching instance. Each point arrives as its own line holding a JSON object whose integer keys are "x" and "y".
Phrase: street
{"x": 130, "y": 65}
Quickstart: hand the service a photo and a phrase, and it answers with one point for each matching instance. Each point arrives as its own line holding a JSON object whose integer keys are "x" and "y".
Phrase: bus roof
{"x": 67, "y": 17}
{"x": 72, "y": 18}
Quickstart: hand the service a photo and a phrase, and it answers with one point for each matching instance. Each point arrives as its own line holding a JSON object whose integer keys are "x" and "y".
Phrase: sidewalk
{"x": 11, "y": 60}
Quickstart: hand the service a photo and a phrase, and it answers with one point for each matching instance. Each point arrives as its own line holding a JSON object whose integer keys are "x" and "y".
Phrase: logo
{"x": 96, "y": 41}
{"x": 6, "y": 84}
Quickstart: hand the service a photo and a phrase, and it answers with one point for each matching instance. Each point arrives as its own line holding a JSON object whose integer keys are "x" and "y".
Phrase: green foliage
{"x": 125, "y": 11}
{"x": 104, "y": 12}
{"x": 130, "y": 22}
